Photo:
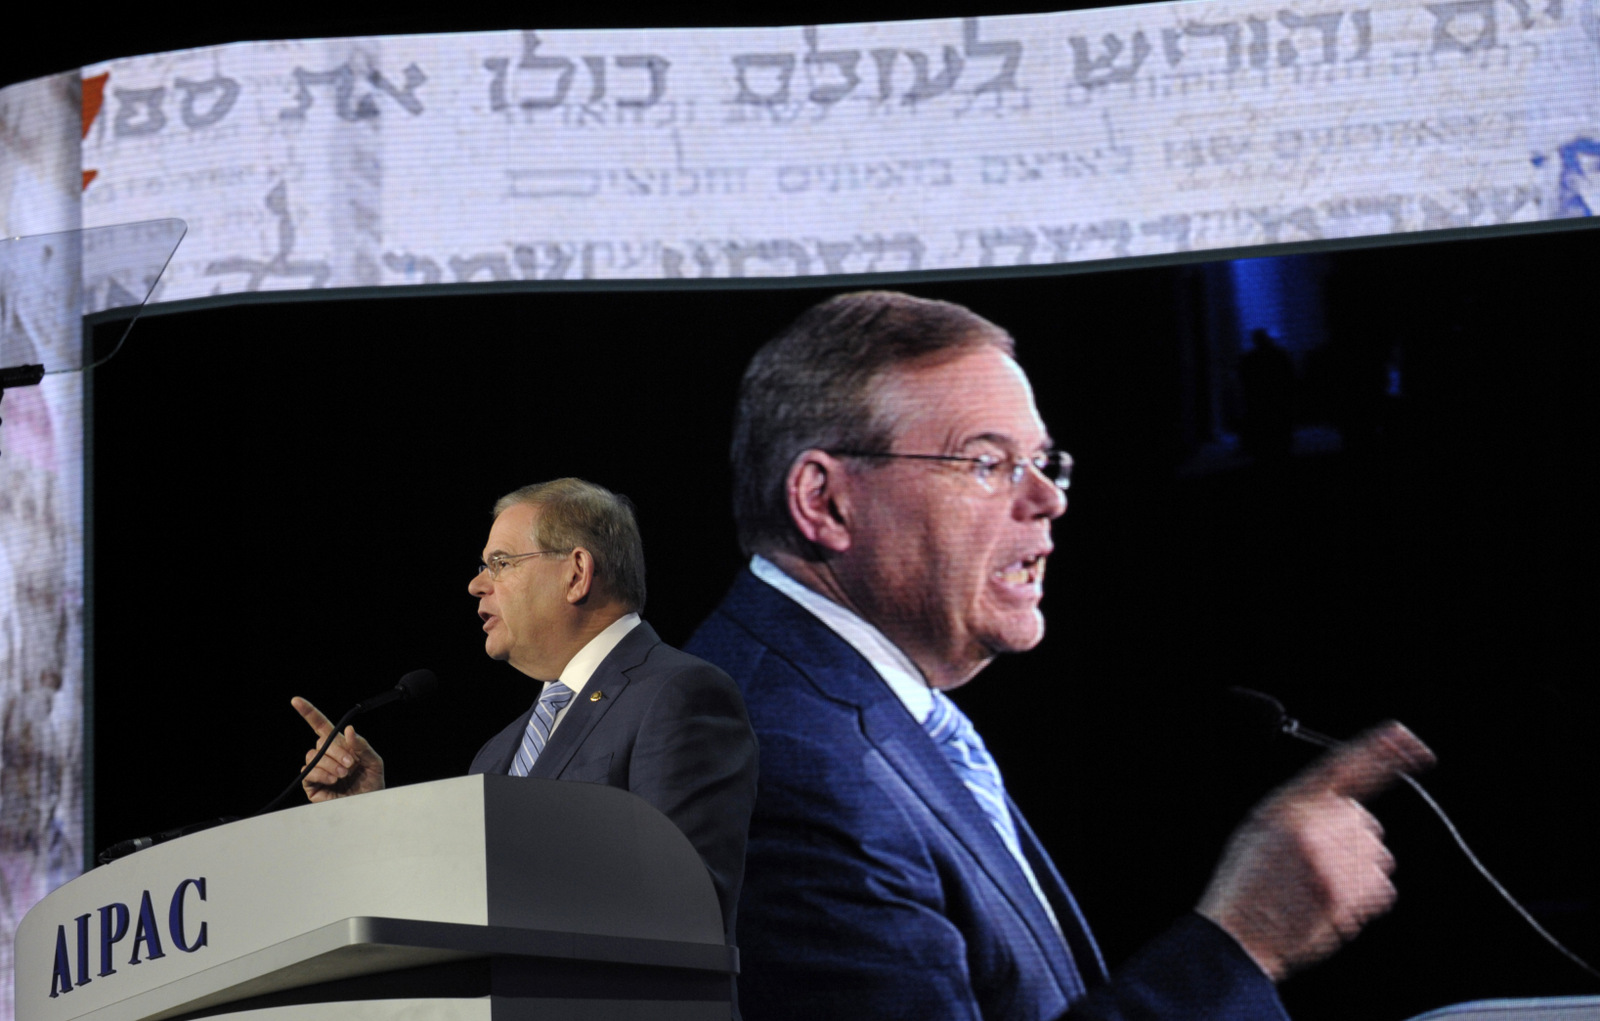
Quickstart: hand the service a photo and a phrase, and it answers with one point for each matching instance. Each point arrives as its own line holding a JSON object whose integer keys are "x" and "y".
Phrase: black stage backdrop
{"x": 290, "y": 498}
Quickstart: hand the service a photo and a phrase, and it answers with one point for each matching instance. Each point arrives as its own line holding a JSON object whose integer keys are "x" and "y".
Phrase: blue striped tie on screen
{"x": 540, "y": 724}
{"x": 961, "y": 745}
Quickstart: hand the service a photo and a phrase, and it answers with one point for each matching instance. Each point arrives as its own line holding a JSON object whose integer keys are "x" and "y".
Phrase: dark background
{"x": 290, "y": 499}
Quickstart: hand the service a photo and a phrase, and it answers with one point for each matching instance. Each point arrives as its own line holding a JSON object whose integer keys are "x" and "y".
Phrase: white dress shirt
{"x": 582, "y": 665}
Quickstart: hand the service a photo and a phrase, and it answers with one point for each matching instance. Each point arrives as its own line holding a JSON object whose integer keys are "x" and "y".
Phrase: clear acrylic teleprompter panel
{"x": 50, "y": 282}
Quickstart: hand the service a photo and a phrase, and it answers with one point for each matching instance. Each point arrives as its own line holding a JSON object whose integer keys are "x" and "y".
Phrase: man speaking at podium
{"x": 559, "y": 592}
{"x": 895, "y": 490}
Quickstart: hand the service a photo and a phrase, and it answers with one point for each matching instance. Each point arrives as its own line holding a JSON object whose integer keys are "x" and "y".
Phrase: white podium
{"x": 484, "y": 898}
{"x": 1553, "y": 1008}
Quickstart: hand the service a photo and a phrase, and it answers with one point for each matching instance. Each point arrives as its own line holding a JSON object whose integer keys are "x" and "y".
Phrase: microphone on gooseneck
{"x": 1270, "y": 714}
{"x": 416, "y": 685}
{"x": 1267, "y": 713}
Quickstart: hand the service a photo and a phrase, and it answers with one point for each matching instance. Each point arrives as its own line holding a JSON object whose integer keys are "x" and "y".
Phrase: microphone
{"x": 1270, "y": 714}
{"x": 418, "y": 684}
{"x": 1267, "y": 713}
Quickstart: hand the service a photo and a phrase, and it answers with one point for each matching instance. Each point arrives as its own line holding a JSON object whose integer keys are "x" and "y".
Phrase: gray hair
{"x": 814, "y": 386}
{"x": 575, "y": 513}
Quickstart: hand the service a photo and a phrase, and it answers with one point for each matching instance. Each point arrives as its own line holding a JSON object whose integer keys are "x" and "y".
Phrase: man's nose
{"x": 1039, "y": 496}
{"x": 480, "y": 583}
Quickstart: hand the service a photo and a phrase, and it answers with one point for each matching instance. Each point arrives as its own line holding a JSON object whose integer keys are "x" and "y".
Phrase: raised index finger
{"x": 312, "y": 715}
{"x": 1366, "y": 764}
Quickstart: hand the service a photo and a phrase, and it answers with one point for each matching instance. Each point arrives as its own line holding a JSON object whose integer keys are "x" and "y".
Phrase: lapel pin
{"x": 597, "y": 696}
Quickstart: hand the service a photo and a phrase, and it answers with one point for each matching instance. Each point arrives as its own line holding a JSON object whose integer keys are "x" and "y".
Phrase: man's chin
{"x": 1018, "y": 635}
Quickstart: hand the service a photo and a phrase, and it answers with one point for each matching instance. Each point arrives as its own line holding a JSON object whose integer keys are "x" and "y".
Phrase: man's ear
{"x": 818, "y": 494}
{"x": 580, "y": 576}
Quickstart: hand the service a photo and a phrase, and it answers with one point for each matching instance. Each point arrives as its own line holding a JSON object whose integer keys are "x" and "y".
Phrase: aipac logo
{"x": 149, "y": 940}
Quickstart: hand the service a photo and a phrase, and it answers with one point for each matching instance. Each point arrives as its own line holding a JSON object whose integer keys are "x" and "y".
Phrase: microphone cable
{"x": 1291, "y": 727}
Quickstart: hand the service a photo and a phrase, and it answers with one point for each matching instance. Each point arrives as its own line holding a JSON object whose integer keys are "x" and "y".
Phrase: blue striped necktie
{"x": 959, "y": 741}
{"x": 543, "y": 720}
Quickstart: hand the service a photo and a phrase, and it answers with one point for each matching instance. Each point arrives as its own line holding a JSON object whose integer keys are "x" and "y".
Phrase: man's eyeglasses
{"x": 498, "y": 562}
{"x": 990, "y": 469}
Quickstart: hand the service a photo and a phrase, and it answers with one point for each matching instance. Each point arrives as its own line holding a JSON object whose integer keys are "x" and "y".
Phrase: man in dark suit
{"x": 895, "y": 490}
{"x": 559, "y": 593}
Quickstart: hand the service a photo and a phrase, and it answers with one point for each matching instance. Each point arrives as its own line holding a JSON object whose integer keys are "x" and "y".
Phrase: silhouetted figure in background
{"x": 1267, "y": 377}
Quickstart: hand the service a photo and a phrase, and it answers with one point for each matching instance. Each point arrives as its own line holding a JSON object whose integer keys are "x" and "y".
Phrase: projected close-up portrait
{"x": 910, "y": 513}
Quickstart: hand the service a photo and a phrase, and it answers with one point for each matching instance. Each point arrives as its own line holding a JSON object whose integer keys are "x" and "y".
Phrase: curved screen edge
{"x": 856, "y": 281}
{"x": 846, "y": 151}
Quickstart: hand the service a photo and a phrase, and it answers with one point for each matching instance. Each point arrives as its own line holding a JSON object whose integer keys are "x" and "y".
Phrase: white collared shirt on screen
{"x": 894, "y": 666}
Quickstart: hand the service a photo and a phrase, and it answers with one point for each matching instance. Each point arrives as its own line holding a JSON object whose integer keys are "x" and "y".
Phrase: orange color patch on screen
{"x": 94, "y": 97}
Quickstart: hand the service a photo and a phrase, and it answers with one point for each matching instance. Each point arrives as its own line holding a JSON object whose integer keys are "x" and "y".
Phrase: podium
{"x": 1554, "y": 1008}
{"x": 483, "y": 898}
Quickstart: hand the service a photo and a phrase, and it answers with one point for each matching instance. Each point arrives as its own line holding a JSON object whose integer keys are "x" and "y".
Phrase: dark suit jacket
{"x": 877, "y": 888}
{"x": 670, "y": 728}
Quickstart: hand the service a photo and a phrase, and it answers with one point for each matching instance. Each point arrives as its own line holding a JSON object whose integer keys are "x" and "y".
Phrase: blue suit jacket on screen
{"x": 875, "y": 887}
{"x": 670, "y": 728}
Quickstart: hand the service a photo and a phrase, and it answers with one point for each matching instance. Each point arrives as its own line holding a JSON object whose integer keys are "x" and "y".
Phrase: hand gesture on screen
{"x": 1308, "y": 869}
{"x": 350, "y": 767}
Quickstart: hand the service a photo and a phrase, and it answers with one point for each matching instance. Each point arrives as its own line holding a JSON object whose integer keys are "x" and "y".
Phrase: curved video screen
{"x": 1029, "y": 140}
